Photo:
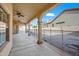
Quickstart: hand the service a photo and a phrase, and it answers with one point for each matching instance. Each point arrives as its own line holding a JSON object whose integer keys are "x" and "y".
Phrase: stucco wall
{"x": 5, "y": 51}
{"x": 71, "y": 18}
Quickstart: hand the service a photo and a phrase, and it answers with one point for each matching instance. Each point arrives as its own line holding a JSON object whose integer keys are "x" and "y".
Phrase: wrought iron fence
{"x": 67, "y": 40}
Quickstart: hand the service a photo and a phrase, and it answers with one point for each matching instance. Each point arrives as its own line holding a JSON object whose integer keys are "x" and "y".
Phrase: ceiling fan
{"x": 19, "y": 14}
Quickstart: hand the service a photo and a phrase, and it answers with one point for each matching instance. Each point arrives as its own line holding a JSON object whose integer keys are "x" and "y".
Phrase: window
{"x": 3, "y": 26}
{"x": 60, "y": 22}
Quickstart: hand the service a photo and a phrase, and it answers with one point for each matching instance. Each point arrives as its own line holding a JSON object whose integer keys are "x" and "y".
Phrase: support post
{"x": 26, "y": 30}
{"x": 29, "y": 29}
{"x": 17, "y": 28}
{"x": 39, "y": 41}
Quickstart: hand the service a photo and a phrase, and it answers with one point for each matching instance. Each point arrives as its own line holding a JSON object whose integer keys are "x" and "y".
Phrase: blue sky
{"x": 56, "y": 11}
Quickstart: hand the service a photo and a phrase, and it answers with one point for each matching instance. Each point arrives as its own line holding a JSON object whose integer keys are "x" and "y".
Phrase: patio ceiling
{"x": 30, "y": 10}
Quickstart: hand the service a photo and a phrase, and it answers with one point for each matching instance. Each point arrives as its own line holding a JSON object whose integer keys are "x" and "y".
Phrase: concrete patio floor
{"x": 24, "y": 45}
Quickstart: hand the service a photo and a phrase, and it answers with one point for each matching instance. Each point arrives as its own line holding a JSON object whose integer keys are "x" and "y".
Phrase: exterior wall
{"x": 71, "y": 18}
{"x": 6, "y": 49}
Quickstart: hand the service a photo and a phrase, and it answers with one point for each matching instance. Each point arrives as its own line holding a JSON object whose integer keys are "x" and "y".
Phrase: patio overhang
{"x": 31, "y": 11}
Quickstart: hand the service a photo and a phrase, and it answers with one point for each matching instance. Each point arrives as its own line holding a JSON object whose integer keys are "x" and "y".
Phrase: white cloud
{"x": 50, "y": 14}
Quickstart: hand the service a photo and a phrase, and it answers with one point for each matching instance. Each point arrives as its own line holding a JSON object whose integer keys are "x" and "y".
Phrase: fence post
{"x": 62, "y": 38}
{"x": 50, "y": 34}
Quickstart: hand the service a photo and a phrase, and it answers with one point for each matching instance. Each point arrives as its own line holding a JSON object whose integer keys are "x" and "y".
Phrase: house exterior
{"x": 68, "y": 19}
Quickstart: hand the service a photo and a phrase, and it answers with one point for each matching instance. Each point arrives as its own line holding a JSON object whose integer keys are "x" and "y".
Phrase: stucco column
{"x": 39, "y": 41}
{"x": 29, "y": 29}
{"x": 17, "y": 28}
{"x": 26, "y": 30}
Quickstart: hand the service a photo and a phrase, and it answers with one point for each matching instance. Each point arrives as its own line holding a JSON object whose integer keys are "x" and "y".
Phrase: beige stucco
{"x": 8, "y": 8}
{"x": 71, "y": 18}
